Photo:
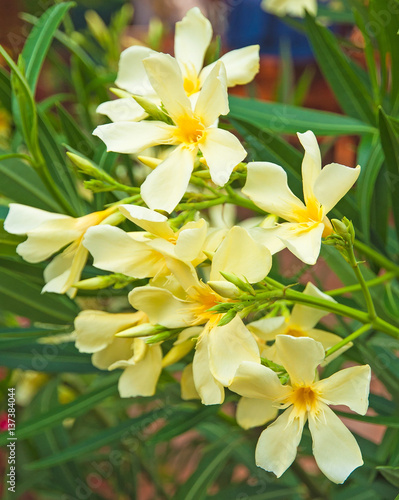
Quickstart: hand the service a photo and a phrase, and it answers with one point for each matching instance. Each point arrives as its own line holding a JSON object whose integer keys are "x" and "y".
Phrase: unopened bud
{"x": 97, "y": 283}
{"x": 149, "y": 161}
{"x": 84, "y": 165}
{"x": 225, "y": 289}
{"x": 152, "y": 109}
{"x": 143, "y": 330}
{"x": 239, "y": 283}
{"x": 229, "y": 316}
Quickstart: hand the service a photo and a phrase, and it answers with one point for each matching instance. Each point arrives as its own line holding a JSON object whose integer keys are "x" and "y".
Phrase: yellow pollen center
{"x": 191, "y": 85}
{"x": 189, "y": 130}
{"x": 203, "y": 298}
{"x": 295, "y": 332}
{"x": 305, "y": 399}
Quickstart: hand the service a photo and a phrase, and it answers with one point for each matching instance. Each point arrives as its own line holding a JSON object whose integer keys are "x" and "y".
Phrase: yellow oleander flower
{"x": 47, "y": 233}
{"x": 304, "y": 398}
{"x": 192, "y": 39}
{"x": 296, "y": 8}
{"x": 193, "y": 131}
{"x": 142, "y": 254}
{"x": 219, "y": 349}
{"x": 141, "y": 363}
{"x": 322, "y": 188}
{"x": 300, "y": 323}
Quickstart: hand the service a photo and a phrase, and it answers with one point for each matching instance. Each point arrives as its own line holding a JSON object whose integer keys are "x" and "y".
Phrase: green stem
{"x": 349, "y": 338}
{"x": 16, "y": 155}
{"x": 235, "y": 198}
{"x": 379, "y": 259}
{"x": 355, "y": 288}
{"x": 202, "y": 205}
{"x": 366, "y": 292}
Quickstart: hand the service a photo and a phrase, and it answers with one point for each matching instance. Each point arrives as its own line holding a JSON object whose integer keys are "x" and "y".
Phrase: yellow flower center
{"x": 305, "y": 399}
{"x": 203, "y": 298}
{"x": 313, "y": 214}
{"x": 295, "y": 332}
{"x": 189, "y": 130}
{"x": 191, "y": 81}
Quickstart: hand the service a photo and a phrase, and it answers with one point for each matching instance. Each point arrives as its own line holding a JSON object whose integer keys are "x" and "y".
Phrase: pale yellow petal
{"x": 192, "y": 37}
{"x": 133, "y": 137}
{"x": 255, "y": 412}
{"x": 131, "y": 73}
{"x": 228, "y": 347}
{"x": 301, "y": 355}
{"x": 22, "y": 218}
{"x": 277, "y": 445}
{"x": 311, "y": 164}
{"x": 213, "y": 100}
{"x": 268, "y": 328}
{"x": 96, "y": 329}
{"x": 255, "y": 381}
{"x": 296, "y": 8}
{"x": 114, "y": 250}
{"x": 188, "y": 390}
{"x": 152, "y": 222}
{"x": 267, "y": 187}
{"x": 210, "y": 390}
{"x": 162, "y": 307}
{"x": 113, "y": 354}
{"x": 307, "y": 317}
{"x": 335, "y": 449}
{"x": 222, "y": 152}
{"x": 240, "y": 254}
{"x": 349, "y": 387}
{"x": 191, "y": 241}
{"x": 241, "y": 65}
{"x": 165, "y": 186}
{"x": 303, "y": 240}
{"x": 166, "y": 78}
{"x": 141, "y": 379}
{"x": 333, "y": 183}
{"x": 122, "y": 110}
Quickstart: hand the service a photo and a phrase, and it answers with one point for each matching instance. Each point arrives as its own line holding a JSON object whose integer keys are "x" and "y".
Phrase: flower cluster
{"x": 199, "y": 271}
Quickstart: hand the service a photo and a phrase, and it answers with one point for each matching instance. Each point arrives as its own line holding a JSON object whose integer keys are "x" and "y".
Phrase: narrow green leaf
{"x": 75, "y": 137}
{"x": 391, "y": 474}
{"x": 348, "y": 88}
{"x": 39, "y": 40}
{"x": 24, "y": 298}
{"x": 8, "y": 242}
{"x": 390, "y": 146}
{"x": 370, "y": 159}
{"x": 58, "y": 413}
{"x": 287, "y": 119}
{"x": 113, "y": 435}
{"x": 5, "y": 90}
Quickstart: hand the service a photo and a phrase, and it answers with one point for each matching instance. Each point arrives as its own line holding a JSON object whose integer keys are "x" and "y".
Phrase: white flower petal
{"x": 213, "y": 100}
{"x": 241, "y": 65}
{"x": 141, "y": 379}
{"x": 307, "y": 317}
{"x": 335, "y": 449}
{"x": 96, "y": 329}
{"x": 311, "y": 164}
{"x": 242, "y": 255}
{"x": 167, "y": 80}
{"x": 133, "y": 137}
{"x": 150, "y": 221}
{"x": 255, "y": 381}
{"x": 122, "y": 110}
{"x": 165, "y": 186}
{"x": 303, "y": 240}
{"x": 192, "y": 37}
{"x": 333, "y": 183}
{"x": 162, "y": 307}
{"x": 114, "y": 250}
{"x": 295, "y": 8}
{"x": 255, "y": 412}
{"x": 228, "y": 347}
{"x": 131, "y": 74}
{"x": 113, "y": 354}
{"x": 268, "y": 328}
{"x": 267, "y": 187}
{"x": 348, "y": 387}
{"x": 191, "y": 241}
{"x": 222, "y": 152}
{"x": 277, "y": 445}
{"x": 301, "y": 355}
{"x": 188, "y": 390}
{"x": 22, "y": 218}
{"x": 210, "y": 390}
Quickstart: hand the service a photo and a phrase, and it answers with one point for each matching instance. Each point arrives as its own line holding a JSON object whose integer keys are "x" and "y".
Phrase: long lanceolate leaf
{"x": 39, "y": 41}
{"x": 348, "y": 88}
{"x": 286, "y": 119}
